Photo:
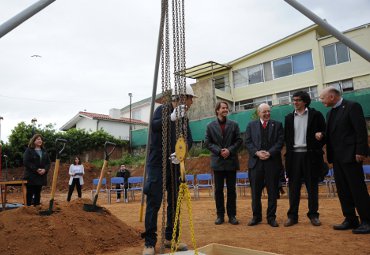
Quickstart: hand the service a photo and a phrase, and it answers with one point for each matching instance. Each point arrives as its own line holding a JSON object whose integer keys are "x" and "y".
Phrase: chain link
{"x": 179, "y": 89}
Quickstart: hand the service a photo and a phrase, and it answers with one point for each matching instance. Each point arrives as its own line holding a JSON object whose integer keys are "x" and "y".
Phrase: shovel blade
{"x": 92, "y": 208}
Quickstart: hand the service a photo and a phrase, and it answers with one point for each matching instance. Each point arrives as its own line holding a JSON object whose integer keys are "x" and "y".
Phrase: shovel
{"x": 93, "y": 207}
{"x": 55, "y": 176}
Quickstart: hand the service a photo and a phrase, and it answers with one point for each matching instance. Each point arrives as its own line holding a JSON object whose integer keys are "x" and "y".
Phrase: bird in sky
{"x": 35, "y": 56}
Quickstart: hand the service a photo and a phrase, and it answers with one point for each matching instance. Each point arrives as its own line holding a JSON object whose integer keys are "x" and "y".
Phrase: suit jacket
{"x": 32, "y": 162}
{"x": 315, "y": 123}
{"x": 253, "y": 141}
{"x": 214, "y": 141}
{"x": 349, "y": 133}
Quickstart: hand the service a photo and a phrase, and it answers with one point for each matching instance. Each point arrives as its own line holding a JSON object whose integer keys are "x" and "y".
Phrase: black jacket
{"x": 32, "y": 162}
{"x": 214, "y": 141}
{"x": 315, "y": 123}
{"x": 349, "y": 133}
{"x": 155, "y": 154}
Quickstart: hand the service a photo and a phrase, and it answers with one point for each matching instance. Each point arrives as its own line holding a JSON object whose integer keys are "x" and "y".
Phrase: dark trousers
{"x": 33, "y": 194}
{"x": 352, "y": 190}
{"x": 118, "y": 186}
{"x": 154, "y": 192}
{"x": 264, "y": 173}
{"x": 230, "y": 177}
{"x": 301, "y": 171}
{"x": 75, "y": 183}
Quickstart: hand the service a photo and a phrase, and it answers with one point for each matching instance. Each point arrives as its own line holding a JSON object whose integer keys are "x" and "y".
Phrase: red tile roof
{"x": 99, "y": 116}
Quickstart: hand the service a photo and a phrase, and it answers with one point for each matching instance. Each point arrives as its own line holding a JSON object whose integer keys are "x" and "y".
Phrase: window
{"x": 240, "y": 78}
{"x": 249, "y": 75}
{"x": 255, "y": 74}
{"x": 298, "y": 63}
{"x": 302, "y": 62}
{"x": 244, "y": 105}
{"x": 335, "y": 54}
{"x": 343, "y": 86}
{"x": 282, "y": 67}
{"x": 221, "y": 82}
{"x": 286, "y": 97}
{"x": 265, "y": 99}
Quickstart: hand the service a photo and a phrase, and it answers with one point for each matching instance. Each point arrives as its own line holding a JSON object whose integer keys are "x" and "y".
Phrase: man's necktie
{"x": 264, "y": 125}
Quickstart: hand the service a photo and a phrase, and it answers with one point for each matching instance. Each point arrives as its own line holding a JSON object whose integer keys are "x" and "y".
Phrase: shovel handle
{"x": 106, "y": 152}
{"x": 55, "y": 178}
{"x": 101, "y": 179}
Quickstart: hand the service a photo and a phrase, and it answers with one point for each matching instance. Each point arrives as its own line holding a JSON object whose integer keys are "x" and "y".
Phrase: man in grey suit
{"x": 223, "y": 140}
{"x": 264, "y": 141}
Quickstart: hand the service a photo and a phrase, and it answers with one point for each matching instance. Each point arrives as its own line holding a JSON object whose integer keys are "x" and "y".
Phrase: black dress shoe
{"x": 233, "y": 220}
{"x": 290, "y": 222}
{"x": 273, "y": 223}
{"x": 364, "y": 228}
{"x": 346, "y": 224}
{"x": 219, "y": 221}
{"x": 315, "y": 221}
{"x": 254, "y": 221}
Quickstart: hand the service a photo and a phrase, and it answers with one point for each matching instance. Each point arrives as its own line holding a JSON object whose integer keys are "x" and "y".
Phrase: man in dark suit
{"x": 347, "y": 147}
{"x": 264, "y": 140}
{"x": 223, "y": 140}
{"x": 304, "y": 156}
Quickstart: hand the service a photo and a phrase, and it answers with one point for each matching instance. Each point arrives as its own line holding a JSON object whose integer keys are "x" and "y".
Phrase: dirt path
{"x": 302, "y": 238}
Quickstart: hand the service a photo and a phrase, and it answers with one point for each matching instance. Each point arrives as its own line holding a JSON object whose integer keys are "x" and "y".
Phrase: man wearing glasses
{"x": 304, "y": 156}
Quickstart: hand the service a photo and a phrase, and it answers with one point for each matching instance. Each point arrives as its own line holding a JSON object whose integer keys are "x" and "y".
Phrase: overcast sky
{"x": 93, "y": 53}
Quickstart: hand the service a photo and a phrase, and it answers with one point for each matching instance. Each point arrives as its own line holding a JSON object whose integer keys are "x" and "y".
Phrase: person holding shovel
{"x": 37, "y": 164}
{"x": 76, "y": 172}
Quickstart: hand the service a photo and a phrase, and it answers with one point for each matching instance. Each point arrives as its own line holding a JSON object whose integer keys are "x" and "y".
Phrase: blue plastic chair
{"x": 113, "y": 182}
{"x": 242, "y": 182}
{"x": 135, "y": 183}
{"x": 103, "y": 187}
{"x": 204, "y": 181}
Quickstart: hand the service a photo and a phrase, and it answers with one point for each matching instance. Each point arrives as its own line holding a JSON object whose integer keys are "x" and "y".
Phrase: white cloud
{"x": 94, "y": 52}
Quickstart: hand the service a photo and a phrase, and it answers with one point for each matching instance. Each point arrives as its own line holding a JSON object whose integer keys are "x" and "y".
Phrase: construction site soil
{"x": 116, "y": 230}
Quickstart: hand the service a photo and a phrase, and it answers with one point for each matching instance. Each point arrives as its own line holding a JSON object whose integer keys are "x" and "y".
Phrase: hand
{"x": 174, "y": 159}
{"x": 360, "y": 158}
{"x": 178, "y": 112}
{"x": 263, "y": 155}
{"x": 319, "y": 136}
{"x": 41, "y": 171}
{"x": 225, "y": 153}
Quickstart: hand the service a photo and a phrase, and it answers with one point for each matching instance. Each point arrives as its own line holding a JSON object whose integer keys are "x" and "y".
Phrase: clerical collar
{"x": 338, "y": 103}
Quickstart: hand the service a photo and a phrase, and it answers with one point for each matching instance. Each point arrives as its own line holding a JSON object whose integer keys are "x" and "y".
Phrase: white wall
{"x": 117, "y": 129}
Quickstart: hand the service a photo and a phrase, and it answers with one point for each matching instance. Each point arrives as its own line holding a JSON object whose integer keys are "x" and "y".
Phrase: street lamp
{"x": 129, "y": 135}
{"x": 33, "y": 121}
{"x": 1, "y": 118}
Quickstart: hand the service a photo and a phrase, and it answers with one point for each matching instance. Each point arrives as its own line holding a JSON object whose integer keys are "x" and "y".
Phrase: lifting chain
{"x": 179, "y": 89}
{"x": 165, "y": 78}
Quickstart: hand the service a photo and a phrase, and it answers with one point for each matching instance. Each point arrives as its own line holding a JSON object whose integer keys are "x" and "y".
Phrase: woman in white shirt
{"x": 76, "y": 171}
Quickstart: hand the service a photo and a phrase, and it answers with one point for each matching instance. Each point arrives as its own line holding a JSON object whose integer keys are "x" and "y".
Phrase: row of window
{"x": 286, "y": 97}
{"x": 302, "y": 62}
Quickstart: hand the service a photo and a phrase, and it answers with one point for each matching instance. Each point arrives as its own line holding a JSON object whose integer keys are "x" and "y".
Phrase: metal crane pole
{"x": 24, "y": 15}
{"x": 332, "y": 30}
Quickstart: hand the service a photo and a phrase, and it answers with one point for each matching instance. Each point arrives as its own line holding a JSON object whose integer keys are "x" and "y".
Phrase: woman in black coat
{"x": 37, "y": 164}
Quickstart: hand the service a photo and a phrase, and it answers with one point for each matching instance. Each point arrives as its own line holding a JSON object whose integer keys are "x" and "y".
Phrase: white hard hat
{"x": 188, "y": 91}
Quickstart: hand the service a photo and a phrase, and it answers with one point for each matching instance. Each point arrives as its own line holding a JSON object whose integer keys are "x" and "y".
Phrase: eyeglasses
{"x": 297, "y": 100}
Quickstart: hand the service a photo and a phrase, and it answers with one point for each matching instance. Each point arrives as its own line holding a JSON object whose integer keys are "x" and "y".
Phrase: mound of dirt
{"x": 69, "y": 230}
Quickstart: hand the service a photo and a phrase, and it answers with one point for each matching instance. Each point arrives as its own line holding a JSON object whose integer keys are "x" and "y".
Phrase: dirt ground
{"x": 116, "y": 231}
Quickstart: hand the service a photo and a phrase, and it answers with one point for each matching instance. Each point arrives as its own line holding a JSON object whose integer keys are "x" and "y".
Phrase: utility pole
{"x": 129, "y": 135}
